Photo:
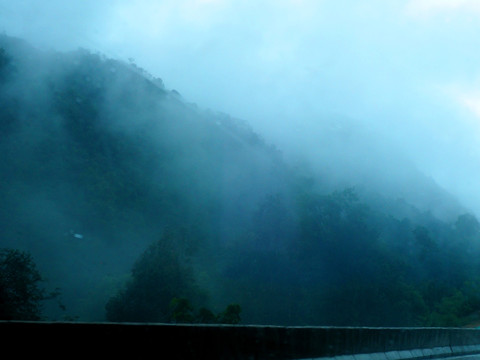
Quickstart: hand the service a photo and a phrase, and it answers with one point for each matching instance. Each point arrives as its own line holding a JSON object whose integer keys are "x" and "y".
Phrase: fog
{"x": 405, "y": 72}
{"x": 239, "y": 125}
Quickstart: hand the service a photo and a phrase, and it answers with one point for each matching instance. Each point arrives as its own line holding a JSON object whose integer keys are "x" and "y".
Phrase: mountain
{"x": 100, "y": 162}
{"x": 98, "y": 148}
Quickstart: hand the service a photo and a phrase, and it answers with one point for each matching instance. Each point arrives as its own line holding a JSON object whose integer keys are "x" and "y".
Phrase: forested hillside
{"x": 141, "y": 206}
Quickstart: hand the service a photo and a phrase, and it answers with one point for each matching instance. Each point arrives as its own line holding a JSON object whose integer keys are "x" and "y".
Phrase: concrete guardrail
{"x": 238, "y": 342}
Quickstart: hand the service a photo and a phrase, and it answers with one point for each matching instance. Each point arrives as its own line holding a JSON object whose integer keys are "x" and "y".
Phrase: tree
{"x": 5, "y": 64}
{"x": 423, "y": 240}
{"x": 20, "y": 293}
{"x": 158, "y": 276}
{"x": 273, "y": 224}
{"x": 467, "y": 225}
{"x": 183, "y": 312}
{"x": 231, "y": 315}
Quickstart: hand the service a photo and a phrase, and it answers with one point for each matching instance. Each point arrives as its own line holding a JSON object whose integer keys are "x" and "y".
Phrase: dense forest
{"x": 122, "y": 201}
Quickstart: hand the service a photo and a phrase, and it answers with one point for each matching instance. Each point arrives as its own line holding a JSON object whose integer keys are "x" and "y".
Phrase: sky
{"x": 407, "y": 71}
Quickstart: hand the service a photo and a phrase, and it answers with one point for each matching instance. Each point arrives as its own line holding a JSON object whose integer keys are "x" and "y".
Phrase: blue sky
{"x": 406, "y": 70}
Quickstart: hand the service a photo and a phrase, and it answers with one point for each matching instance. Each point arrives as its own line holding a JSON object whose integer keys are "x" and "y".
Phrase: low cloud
{"x": 428, "y": 8}
{"x": 472, "y": 102}
{"x": 288, "y": 67}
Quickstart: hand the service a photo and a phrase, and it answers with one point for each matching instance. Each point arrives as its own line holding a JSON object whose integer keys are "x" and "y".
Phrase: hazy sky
{"x": 407, "y": 70}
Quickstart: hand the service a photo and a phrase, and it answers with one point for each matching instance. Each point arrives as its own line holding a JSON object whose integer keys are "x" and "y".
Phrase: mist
{"x": 206, "y": 114}
{"x": 404, "y": 71}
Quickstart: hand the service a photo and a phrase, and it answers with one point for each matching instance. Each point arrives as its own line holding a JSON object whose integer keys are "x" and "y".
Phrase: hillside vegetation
{"x": 141, "y": 206}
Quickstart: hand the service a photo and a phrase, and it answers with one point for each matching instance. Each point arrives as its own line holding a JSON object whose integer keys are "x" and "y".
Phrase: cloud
{"x": 54, "y": 24}
{"x": 428, "y": 8}
{"x": 286, "y": 65}
{"x": 465, "y": 96}
{"x": 472, "y": 102}
{"x": 157, "y": 19}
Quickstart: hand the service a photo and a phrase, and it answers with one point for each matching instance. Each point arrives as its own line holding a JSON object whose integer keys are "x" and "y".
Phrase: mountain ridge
{"x": 100, "y": 161}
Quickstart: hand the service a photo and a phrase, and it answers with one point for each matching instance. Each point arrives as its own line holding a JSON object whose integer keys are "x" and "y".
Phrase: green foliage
{"x": 4, "y": 62}
{"x": 467, "y": 225}
{"x": 231, "y": 315}
{"x": 116, "y": 154}
{"x": 160, "y": 287}
{"x": 21, "y": 295}
{"x": 450, "y": 311}
{"x": 353, "y": 266}
{"x": 453, "y": 307}
{"x": 158, "y": 276}
{"x": 206, "y": 316}
{"x": 183, "y": 312}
